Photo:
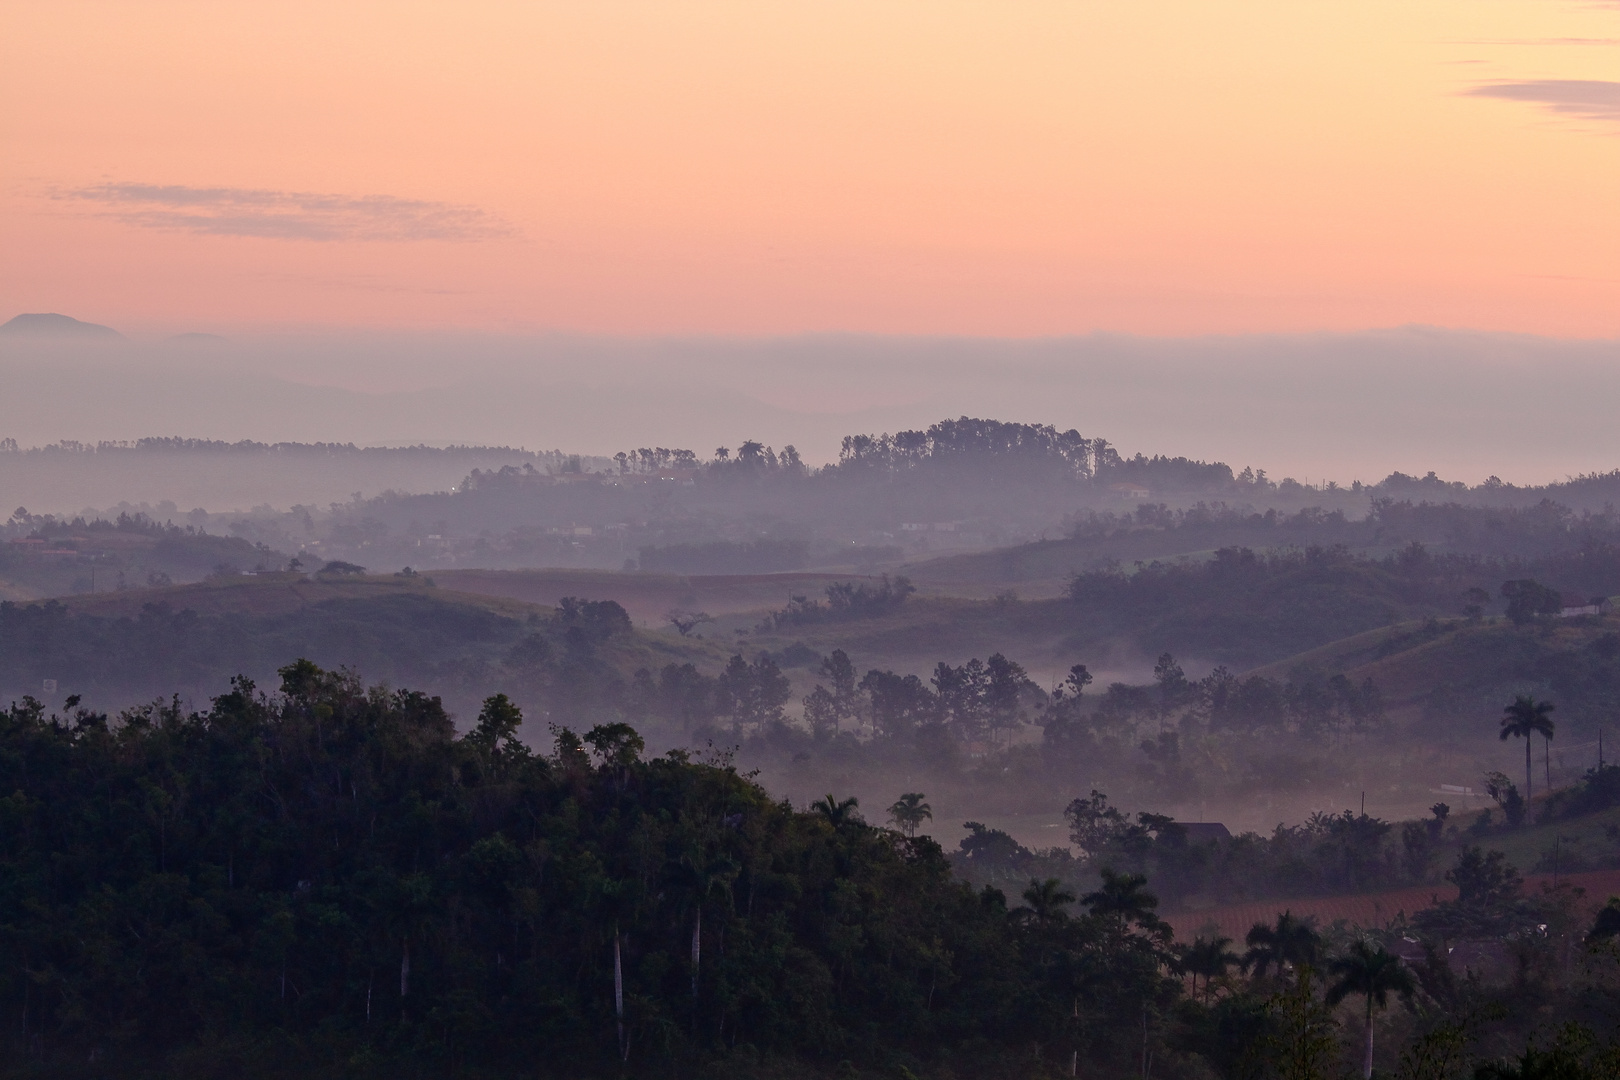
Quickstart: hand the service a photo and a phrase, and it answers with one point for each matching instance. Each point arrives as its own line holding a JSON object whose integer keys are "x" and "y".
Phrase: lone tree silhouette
{"x": 1522, "y": 719}
{"x": 909, "y": 812}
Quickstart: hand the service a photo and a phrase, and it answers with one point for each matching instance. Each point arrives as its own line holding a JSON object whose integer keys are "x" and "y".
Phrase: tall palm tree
{"x": 1210, "y": 958}
{"x": 1372, "y": 972}
{"x": 701, "y": 877}
{"x": 909, "y": 811}
{"x": 1047, "y": 899}
{"x": 836, "y": 812}
{"x": 1522, "y": 719}
{"x": 1289, "y": 945}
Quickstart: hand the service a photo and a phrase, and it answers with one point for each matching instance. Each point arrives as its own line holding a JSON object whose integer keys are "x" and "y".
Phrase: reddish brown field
{"x": 1372, "y": 910}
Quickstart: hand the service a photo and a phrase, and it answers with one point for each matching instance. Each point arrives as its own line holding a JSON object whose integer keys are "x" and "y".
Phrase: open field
{"x": 276, "y": 594}
{"x": 648, "y": 597}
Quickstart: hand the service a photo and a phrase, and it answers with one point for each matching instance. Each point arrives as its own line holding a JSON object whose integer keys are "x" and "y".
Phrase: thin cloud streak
{"x": 1585, "y": 99}
{"x": 1534, "y": 41}
{"x": 291, "y": 215}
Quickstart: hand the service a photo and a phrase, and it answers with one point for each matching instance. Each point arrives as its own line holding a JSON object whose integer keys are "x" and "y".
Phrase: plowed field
{"x": 1369, "y": 909}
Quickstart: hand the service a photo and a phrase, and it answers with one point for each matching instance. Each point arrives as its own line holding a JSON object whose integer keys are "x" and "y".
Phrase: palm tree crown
{"x": 836, "y": 812}
{"x": 1373, "y": 972}
{"x": 1047, "y": 899}
{"x": 1124, "y": 898}
{"x": 1208, "y": 957}
{"x": 909, "y": 811}
{"x": 1291, "y": 944}
{"x": 1522, "y": 719}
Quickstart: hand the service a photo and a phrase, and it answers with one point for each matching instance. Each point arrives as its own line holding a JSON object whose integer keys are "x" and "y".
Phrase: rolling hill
{"x": 118, "y": 648}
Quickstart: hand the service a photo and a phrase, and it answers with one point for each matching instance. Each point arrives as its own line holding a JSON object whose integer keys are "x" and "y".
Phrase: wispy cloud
{"x": 1584, "y": 99}
{"x": 290, "y": 215}
{"x": 1534, "y": 41}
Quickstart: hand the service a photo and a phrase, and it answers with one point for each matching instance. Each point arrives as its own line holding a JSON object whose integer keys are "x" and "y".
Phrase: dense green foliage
{"x": 327, "y": 881}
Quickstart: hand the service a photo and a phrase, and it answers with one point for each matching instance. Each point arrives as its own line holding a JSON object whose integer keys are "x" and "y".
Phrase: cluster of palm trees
{"x": 1122, "y": 899}
{"x": 1293, "y": 946}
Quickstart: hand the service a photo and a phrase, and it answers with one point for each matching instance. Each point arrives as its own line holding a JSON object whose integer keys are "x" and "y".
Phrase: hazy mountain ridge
{"x": 51, "y": 325}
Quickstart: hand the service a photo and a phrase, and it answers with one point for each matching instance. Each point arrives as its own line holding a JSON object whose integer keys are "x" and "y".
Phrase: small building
{"x": 1128, "y": 490}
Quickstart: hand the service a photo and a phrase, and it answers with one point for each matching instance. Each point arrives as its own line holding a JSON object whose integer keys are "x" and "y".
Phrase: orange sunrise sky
{"x": 760, "y": 168}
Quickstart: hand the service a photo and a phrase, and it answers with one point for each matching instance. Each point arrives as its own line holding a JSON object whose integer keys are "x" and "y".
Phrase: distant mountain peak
{"x": 53, "y": 325}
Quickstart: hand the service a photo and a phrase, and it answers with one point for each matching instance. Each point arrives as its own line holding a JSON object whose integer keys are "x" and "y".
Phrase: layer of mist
{"x": 1342, "y": 406}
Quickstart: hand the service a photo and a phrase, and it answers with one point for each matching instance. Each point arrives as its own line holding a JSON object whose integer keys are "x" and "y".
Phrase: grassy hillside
{"x": 1446, "y": 681}
{"x": 1239, "y": 609}
{"x": 648, "y": 597}
{"x": 122, "y": 647}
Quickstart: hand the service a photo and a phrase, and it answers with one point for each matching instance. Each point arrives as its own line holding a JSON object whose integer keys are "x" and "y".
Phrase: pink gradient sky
{"x": 743, "y": 168}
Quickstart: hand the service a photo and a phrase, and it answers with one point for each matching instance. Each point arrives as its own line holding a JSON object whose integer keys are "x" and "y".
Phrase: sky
{"x": 1026, "y": 169}
{"x": 1330, "y": 239}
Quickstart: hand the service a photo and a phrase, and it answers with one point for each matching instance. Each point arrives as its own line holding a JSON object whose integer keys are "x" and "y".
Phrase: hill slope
{"x": 117, "y": 648}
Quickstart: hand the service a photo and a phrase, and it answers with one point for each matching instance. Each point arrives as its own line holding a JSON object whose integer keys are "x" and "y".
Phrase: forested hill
{"x": 327, "y": 882}
{"x": 959, "y": 485}
{"x": 1544, "y": 533}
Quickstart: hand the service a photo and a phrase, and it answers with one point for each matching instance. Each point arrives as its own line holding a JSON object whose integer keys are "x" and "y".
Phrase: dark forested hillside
{"x": 327, "y": 882}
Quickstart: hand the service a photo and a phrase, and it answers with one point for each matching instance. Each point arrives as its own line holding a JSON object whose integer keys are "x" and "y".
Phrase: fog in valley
{"x": 1240, "y": 616}
{"x": 1248, "y": 639}
{"x": 1323, "y": 406}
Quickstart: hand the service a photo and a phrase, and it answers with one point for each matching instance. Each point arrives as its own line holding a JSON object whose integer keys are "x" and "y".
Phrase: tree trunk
{"x": 618, "y": 995}
{"x": 697, "y": 949}
{"x": 405, "y": 970}
{"x": 1529, "y": 771}
{"x": 1144, "y": 1043}
{"x": 1366, "y": 1064}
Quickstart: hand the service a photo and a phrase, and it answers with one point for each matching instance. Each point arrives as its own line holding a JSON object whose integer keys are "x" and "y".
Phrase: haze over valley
{"x": 837, "y": 541}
